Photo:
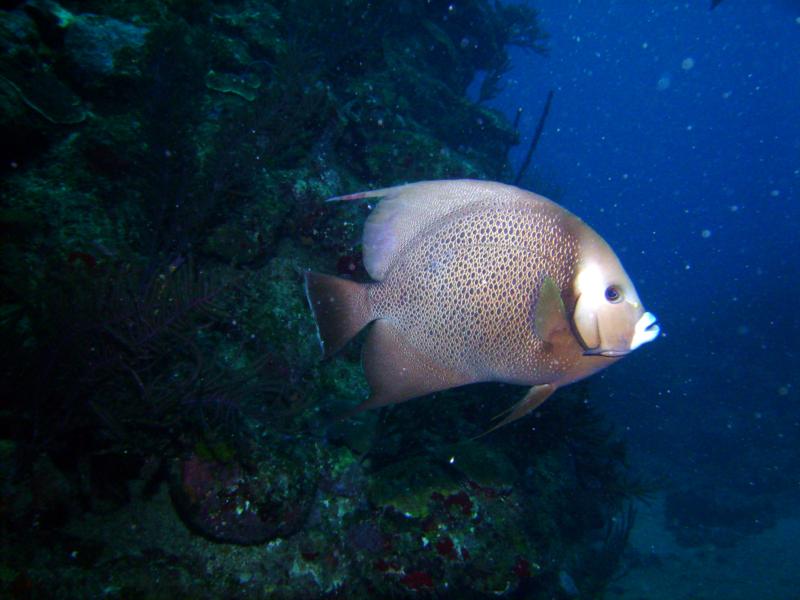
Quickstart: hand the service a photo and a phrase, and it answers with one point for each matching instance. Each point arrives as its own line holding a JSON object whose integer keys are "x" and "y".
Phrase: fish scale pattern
{"x": 463, "y": 291}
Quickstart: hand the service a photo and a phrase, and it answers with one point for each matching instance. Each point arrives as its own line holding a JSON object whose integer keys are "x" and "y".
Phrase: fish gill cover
{"x": 166, "y": 426}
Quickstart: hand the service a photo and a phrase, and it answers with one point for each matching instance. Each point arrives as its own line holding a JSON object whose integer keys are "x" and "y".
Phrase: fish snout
{"x": 645, "y": 330}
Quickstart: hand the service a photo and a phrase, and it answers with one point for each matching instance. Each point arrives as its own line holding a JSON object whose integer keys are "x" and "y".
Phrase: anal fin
{"x": 396, "y": 371}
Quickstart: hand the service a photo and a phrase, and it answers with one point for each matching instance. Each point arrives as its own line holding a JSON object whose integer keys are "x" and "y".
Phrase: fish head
{"x": 608, "y": 318}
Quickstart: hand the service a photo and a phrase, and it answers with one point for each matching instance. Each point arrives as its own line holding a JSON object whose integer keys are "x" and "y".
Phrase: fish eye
{"x": 613, "y": 294}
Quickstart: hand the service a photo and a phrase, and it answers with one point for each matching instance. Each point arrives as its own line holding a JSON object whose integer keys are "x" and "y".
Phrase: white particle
{"x": 687, "y": 63}
{"x": 706, "y": 233}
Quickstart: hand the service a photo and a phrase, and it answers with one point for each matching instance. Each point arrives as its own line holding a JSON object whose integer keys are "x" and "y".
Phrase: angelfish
{"x": 477, "y": 281}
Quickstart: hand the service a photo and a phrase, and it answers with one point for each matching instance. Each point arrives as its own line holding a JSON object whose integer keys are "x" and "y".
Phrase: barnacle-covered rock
{"x": 28, "y": 84}
{"x": 17, "y": 30}
{"x": 227, "y": 502}
{"x": 34, "y": 101}
{"x": 100, "y": 47}
{"x": 256, "y": 24}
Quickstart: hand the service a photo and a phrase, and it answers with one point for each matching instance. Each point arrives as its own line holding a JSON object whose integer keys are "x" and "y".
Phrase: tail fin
{"x": 341, "y": 309}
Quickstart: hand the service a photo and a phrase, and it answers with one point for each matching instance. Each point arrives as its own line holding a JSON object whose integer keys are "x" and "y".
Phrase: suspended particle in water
{"x": 664, "y": 82}
{"x": 705, "y": 234}
{"x": 687, "y": 63}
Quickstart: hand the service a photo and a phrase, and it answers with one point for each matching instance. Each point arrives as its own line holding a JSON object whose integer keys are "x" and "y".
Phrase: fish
{"x": 478, "y": 281}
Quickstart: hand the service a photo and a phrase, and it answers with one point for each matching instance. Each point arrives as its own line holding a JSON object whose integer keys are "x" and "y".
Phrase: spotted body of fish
{"x": 478, "y": 281}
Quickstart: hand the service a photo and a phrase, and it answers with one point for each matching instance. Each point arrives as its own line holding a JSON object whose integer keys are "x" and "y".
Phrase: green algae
{"x": 46, "y": 95}
{"x": 215, "y": 450}
{"x": 484, "y": 465}
{"x": 245, "y": 86}
{"x": 407, "y": 486}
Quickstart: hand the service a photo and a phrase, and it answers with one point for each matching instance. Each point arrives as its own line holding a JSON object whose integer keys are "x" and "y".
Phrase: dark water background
{"x": 675, "y": 132}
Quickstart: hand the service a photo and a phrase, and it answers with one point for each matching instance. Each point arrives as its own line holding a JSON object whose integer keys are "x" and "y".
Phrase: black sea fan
{"x": 123, "y": 352}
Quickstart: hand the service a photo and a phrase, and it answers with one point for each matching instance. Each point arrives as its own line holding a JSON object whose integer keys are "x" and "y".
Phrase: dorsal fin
{"x": 406, "y": 210}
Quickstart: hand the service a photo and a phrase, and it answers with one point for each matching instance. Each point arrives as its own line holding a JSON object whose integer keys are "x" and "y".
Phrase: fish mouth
{"x": 607, "y": 352}
{"x": 645, "y": 330}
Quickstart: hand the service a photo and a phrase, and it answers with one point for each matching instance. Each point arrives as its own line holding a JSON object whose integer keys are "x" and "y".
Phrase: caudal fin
{"x": 341, "y": 309}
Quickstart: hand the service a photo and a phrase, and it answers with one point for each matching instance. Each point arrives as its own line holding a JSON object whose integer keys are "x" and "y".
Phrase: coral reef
{"x": 166, "y": 426}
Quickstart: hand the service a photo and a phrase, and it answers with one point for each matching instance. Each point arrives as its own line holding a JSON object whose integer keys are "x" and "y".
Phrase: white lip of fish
{"x": 645, "y": 330}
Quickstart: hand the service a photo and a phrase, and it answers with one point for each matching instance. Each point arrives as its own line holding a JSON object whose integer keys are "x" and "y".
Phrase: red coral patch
{"x": 461, "y": 500}
{"x": 417, "y": 580}
{"x": 446, "y": 548}
{"x": 522, "y": 568}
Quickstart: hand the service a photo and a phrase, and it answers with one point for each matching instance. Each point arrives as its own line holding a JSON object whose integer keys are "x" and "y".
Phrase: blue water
{"x": 675, "y": 132}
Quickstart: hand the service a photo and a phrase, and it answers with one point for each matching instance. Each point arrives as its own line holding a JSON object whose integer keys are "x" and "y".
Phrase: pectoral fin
{"x": 532, "y": 400}
{"x": 550, "y": 316}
